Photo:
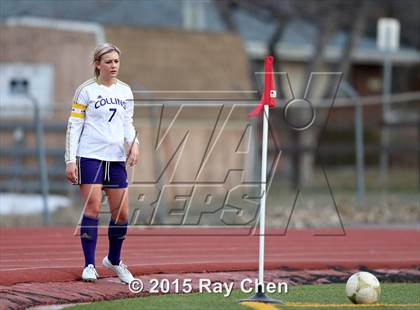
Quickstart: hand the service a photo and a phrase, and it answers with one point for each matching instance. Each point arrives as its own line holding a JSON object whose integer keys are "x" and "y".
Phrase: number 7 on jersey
{"x": 113, "y": 113}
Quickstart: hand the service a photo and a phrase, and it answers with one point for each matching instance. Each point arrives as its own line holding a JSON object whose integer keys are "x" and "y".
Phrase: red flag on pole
{"x": 269, "y": 94}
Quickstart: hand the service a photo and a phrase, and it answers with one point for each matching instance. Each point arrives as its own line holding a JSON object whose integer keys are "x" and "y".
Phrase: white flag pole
{"x": 263, "y": 195}
{"x": 260, "y": 296}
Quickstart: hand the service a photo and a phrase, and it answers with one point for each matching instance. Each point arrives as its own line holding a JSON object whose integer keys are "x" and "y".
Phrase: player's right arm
{"x": 74, "y": 130}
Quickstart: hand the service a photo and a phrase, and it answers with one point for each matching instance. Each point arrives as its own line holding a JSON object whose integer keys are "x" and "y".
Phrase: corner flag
{"x": 268, "y": 100}
{"x": 269, "y": 94}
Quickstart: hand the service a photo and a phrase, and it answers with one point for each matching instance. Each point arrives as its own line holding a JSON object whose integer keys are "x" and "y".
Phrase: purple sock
{"x": 116, "y": 236}
{"x": 88, "y": 236}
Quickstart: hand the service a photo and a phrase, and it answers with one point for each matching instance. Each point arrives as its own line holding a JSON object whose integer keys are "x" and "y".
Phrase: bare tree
{"x": 328, "y": 17}
{"x": 225, "y": 9}
{"x": 356, "y": 26}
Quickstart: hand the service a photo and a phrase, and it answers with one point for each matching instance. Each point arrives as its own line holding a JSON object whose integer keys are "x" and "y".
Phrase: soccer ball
{"x": 363, "y": 288}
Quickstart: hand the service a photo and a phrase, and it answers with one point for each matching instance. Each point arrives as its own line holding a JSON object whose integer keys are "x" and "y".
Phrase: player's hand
{"x": 71, "y": 172}
{"x": 133, "y": 155}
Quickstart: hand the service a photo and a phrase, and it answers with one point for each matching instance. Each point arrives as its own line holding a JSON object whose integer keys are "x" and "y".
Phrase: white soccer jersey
{"x": 101, "y": 121}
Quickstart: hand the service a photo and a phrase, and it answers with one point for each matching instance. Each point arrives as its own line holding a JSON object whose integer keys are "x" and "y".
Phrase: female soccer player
{"x": 99, "y": 128}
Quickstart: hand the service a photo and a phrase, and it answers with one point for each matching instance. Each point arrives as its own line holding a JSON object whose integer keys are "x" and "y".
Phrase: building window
{"x": 19, "y": 86}
{"x": 20, "y": 83}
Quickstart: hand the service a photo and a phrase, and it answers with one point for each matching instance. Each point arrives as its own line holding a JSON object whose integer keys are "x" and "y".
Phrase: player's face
{"x": 109, "y": 65}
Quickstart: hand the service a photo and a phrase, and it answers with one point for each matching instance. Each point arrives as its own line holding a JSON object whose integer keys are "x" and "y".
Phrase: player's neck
{"x": 104, "y": 81}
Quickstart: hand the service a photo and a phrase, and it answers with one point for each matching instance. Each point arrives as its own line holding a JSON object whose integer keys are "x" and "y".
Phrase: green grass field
{"x": 302, "y": 297}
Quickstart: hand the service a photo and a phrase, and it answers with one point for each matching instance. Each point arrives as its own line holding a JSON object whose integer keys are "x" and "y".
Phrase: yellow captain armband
{"x": 77, "y": 115}
{"x": 78, "y": 106}
{"x": 78, "y": 110}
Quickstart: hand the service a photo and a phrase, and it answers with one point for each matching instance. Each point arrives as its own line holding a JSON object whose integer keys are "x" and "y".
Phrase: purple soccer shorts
{"x": 111, "y": 174}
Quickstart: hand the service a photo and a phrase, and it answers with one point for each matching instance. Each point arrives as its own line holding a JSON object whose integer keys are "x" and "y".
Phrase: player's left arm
{"x": 130, "y": 136}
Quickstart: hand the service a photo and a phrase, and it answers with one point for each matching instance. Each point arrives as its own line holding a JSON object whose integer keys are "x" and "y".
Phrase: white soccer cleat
{"x": 89, "y": 274}
{"x": 121, "y": 270}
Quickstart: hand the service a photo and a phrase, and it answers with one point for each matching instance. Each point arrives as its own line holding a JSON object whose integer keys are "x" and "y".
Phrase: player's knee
{"x": 121, "y": 219}
{"x": 92, "y": 210}
{"x": 90, "y": 213}
{"x": 94, "y": 201}
{"x": 121, "y": 215}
